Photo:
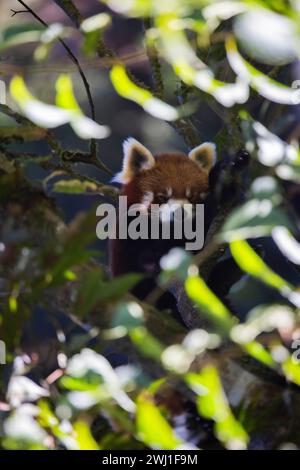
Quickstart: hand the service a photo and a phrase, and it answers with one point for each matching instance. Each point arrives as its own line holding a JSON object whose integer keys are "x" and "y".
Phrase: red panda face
{"x": 167, "y": 178}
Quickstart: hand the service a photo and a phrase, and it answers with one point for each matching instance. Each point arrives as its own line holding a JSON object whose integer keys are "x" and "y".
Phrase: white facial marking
{"x": 178, "y": 202}
{"x": 169, "y": 192}
{"x": 147, "y": 198}
{"x": 167, "y": 210}
{"x": 188, "y": 192}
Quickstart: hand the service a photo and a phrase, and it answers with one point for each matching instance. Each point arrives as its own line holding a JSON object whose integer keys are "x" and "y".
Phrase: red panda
{"x": 158, "y": 179}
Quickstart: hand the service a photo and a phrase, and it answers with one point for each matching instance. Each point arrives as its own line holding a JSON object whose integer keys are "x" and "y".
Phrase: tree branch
{"x": 184, "y": 128}
{"x": 76, "y": 62}
{"x": 71, "y": 11}
{"x": 16, "y": 12}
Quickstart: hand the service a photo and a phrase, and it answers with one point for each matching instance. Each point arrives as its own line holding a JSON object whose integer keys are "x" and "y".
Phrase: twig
{"x": 61, "y": 167}
{"x": 76, "y": 62}
{"x": 182, "y": 126}
{"x": 81, "y": 157}
{"x": 28, "y": 128}
{"x": 155, "y": 64}
{"x": 16, "y": 12}
{"x": 71, "y": 11}
{"x": 16, "y": 116}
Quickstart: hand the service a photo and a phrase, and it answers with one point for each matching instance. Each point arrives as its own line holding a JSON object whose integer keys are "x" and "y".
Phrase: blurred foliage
{"x": 89, "y": 366}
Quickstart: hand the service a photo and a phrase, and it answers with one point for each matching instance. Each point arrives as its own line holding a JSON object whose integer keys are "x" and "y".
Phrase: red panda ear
{"x": 136, "y": 158}
{"x": 204, "y": 155}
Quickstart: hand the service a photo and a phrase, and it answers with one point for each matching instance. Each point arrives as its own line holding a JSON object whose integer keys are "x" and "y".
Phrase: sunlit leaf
{"x": 48, "y": 38}
{"x": 251, "y": 263}
{"x": 152, "y": 428}
{"x": 147, "y": 344}
{"x": 176, "y": 261}
{"x": 90, "y": 366}
{"x": 271, "y": 149}
{"x": 84, "y": 438}
{"x": 84, "y": 127}
{"x": 267, "y": 36}
{"x": 74, "y": 187}
{"x": 96, "y": 22}
{"x": 49, "y": 116}
{"x": 41, "y": 114}
{"x": 265, "y": 86}
{"x": 209, "y": 303}
{"x": 93, "y": 29}
{"x": 127, "y": 89}
{"x": 131, "y": 7}
{"x": 258, "y": 216}
{"x": 291, "y": 370}
{"x": 254, "y": 219}
{"x": 287, "y": 244}
{"x": 263, "y": 319}
{"x": 65, "y": 97}
{"x": 129, "y": 315}
{"x": 22, "y": 426}
{"x": 22, "y": 389}
{"x": 179, "y": 53}
{"x": 258, "y": 352}
{"x": 212, "y": 404}
{"x": 20, "y": 34}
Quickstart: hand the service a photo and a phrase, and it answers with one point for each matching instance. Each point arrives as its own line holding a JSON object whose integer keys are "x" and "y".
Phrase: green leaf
{"x": 95, "y": 23}
{"x": 84, "y": 127}
{"x": 119, "y": 286}
{"x": 20, "y": 34}
{"x": 258, "y": 352}
{"x": 255, "y": 218}
{"x": 49, "y": 116}
{"x": 39, "y": 113}
{"x": 212, "y": 404}
{"x": 48, "y": 38}
{"x": 89, "y": 292}
{"x": 132, "y": 7}
{"x": 177, "y": 50}
{"x": 147, "y": 344}
{"x": 81, "y": 384}
{"x": 130, "y": 315}
{"x": 251, "y": 263}
{"x": 84, "y": 437}
{"x": 129, "y": 90}
{"x": 65, "y": 97}
{"x": 209, "y": 303}
{"x": 74, "y": 251}
{"x": 288, "y": 245}
{"x": 266, "y": 36}
{"x": 75, "y": 187}
{"x": 94, "y": 289}
{"x": 264, "y": 85}
{"x": 291, "y": 370}
{"x": 152, "y": 428}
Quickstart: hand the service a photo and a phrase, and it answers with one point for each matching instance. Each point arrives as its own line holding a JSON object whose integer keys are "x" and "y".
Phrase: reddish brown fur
{"x": 174, "y": 170}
